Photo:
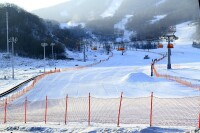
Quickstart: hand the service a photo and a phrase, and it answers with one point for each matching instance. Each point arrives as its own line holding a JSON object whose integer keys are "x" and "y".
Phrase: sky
{"x": 30, "y": 5}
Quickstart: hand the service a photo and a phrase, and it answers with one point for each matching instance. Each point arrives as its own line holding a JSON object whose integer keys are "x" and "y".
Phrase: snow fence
{"x": 150, "y": 110}
{"x": 173, "y": 78}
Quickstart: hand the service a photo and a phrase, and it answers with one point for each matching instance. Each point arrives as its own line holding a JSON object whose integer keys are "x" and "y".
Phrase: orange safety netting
{"x": 173, "y": 78}
{"x": 165, "y": 111}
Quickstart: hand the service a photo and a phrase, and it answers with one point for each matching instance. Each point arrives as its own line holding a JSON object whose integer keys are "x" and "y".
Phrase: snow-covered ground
{"x": 25, "y": 68}
{"x": 129, "y": 74}
{"x": 83, "y": 128}
{"x": 185, "y": 32}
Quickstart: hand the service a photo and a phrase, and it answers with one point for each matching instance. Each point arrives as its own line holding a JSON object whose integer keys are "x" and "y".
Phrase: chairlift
{"x": 94, "y": 48}
{"x": 160, "y": 45}
{"x": 120, "y": 49}
{"x": 170, "y": 45}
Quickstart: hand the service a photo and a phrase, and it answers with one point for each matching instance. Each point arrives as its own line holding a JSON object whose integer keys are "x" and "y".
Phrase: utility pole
{"x": 7, "y": 32}
{"x": 44, "y": 45}
{"x": 84, "y": 56}
{"x": 13, "y": 40}
{"x": 52, "y": 44}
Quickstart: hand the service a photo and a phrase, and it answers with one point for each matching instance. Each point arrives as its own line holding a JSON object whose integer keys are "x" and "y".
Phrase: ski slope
{"x": 26, "y": 68}
{"x": 129, "y": 74}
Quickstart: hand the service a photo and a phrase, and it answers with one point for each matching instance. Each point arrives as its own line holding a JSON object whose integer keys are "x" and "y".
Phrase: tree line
{"x": 31, "y": 31}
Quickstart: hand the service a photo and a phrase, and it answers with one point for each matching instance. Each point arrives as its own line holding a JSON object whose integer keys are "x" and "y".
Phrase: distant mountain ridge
{"x": 101, "y": 16}
{"x": 75, "y": 10}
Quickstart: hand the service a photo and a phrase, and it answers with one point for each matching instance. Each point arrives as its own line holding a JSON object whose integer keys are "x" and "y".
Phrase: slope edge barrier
{"x": 149, "y": 110}
{"x": 173, "y": 78}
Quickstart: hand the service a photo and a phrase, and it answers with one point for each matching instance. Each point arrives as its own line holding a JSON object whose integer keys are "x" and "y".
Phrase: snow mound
{"x": 138, "y": 77}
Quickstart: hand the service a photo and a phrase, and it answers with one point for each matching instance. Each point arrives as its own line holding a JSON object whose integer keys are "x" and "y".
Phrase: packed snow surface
{"x": 129, "y": 74}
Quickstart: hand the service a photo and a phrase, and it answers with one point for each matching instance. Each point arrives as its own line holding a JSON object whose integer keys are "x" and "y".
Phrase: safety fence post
{"x": 5, "y": 109}
{"x": 119, "y": 109}
{"x": 89, "y": 111}
{"x": 25, "y": 108}
{"x": 66, "y": 109}
{"x": 151, "y": 109}
{"x": 199, "y": 120}
{"x": 45, "y": 115}
{"x": 152, "y": 69}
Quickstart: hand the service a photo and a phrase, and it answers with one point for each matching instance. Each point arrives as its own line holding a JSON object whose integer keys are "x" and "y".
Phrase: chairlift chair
{"x": 120, "y": 49}
{"x": 160, "y": 45}
{"x": 170, "y": 45}
{"x": 94, "y": 48}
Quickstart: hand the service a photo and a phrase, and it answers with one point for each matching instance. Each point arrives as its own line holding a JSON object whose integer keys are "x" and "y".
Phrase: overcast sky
{"x": 30, "y": 5}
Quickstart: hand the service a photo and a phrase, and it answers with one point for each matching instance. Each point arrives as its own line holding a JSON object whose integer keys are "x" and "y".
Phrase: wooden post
{"x": 5, "y": 110}
{"x": 45, "y": 117}
{"x": 66, "y": 109}
{"x": 25, "y": 108}
{"x": 89, "y": 112}
{"x": 119, "y": 109}
{"x": 151, "y": 109}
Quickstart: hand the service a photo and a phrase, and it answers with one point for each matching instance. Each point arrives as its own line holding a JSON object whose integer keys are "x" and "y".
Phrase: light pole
{"x": 7, "y": 32}
{"x": 84, "y": 52}
{"x": 44, "y": 45}
{"x": 13, "y": 40}
{"x": 52, "y": 44}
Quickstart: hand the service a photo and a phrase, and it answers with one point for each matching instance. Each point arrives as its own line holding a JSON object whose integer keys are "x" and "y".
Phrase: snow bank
{"x": 94, "y": 128}
{"x": 139, "y": 77}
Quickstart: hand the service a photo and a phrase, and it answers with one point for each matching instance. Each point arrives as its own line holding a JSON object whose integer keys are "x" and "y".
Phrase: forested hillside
{"x": 31, "y": 31}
